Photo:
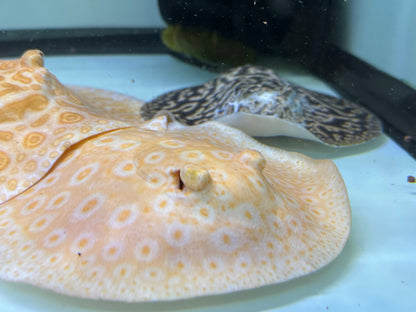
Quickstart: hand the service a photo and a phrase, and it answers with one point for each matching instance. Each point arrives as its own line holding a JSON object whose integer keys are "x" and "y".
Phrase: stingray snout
{"x": 195, "y": 177}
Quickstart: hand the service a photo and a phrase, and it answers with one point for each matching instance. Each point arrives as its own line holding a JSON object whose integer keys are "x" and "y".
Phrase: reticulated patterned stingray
{"x": 257, "y": 101}
{"x": 115, "y": 209}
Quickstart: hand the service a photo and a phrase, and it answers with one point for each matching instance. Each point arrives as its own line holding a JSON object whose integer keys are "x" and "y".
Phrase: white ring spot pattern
{"x": 84, "y": 173}
{"x": 55, "y": 238}
{"x": 88, "y": 206}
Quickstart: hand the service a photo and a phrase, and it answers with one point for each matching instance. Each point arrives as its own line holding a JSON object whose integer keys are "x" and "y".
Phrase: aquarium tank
{"x": 207, "y": 155}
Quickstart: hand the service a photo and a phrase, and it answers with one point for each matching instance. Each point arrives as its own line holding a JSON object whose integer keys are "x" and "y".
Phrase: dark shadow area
{"x": 82, "y": 41}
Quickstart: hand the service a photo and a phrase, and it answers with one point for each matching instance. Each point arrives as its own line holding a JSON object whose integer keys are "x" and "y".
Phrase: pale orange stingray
{"x": 98, "y": 204}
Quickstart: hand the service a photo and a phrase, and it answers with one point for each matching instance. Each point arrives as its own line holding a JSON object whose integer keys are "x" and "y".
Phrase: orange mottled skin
{"x": 120, "y": 209}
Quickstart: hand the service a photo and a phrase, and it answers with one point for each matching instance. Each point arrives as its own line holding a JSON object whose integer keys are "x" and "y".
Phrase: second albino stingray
{"x": 112, "y": 209}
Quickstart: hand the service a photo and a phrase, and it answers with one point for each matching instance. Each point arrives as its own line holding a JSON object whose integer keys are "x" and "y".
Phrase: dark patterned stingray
{"x": 260, "y": 103}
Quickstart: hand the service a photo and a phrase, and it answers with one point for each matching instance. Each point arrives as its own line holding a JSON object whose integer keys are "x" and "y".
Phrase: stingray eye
{"x": 195, "y": 177}
{"x": 33, "y": 58}
{"x": 252, "y": 158}
{"x": 158, "y": 123}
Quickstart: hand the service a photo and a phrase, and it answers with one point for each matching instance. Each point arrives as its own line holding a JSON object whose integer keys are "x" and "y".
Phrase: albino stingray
{"x": 254, "y": 99}
{"x": 108, "y": 208}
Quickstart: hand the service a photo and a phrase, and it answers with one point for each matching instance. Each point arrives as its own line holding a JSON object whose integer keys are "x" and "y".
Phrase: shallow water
{"x": 377, "y": 260}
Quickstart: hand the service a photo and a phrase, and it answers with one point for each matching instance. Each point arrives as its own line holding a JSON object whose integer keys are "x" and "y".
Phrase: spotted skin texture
{"x": 258, "y": 92}
{"x": 109, "y": 104}
{"x": 39, "y": 120}
{"x": 164, "y": 211}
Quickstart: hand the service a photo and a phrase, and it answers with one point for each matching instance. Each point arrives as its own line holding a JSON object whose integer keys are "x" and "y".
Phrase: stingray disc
{"x": 260, "y": 103}
{"x": 156, "y": 210}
